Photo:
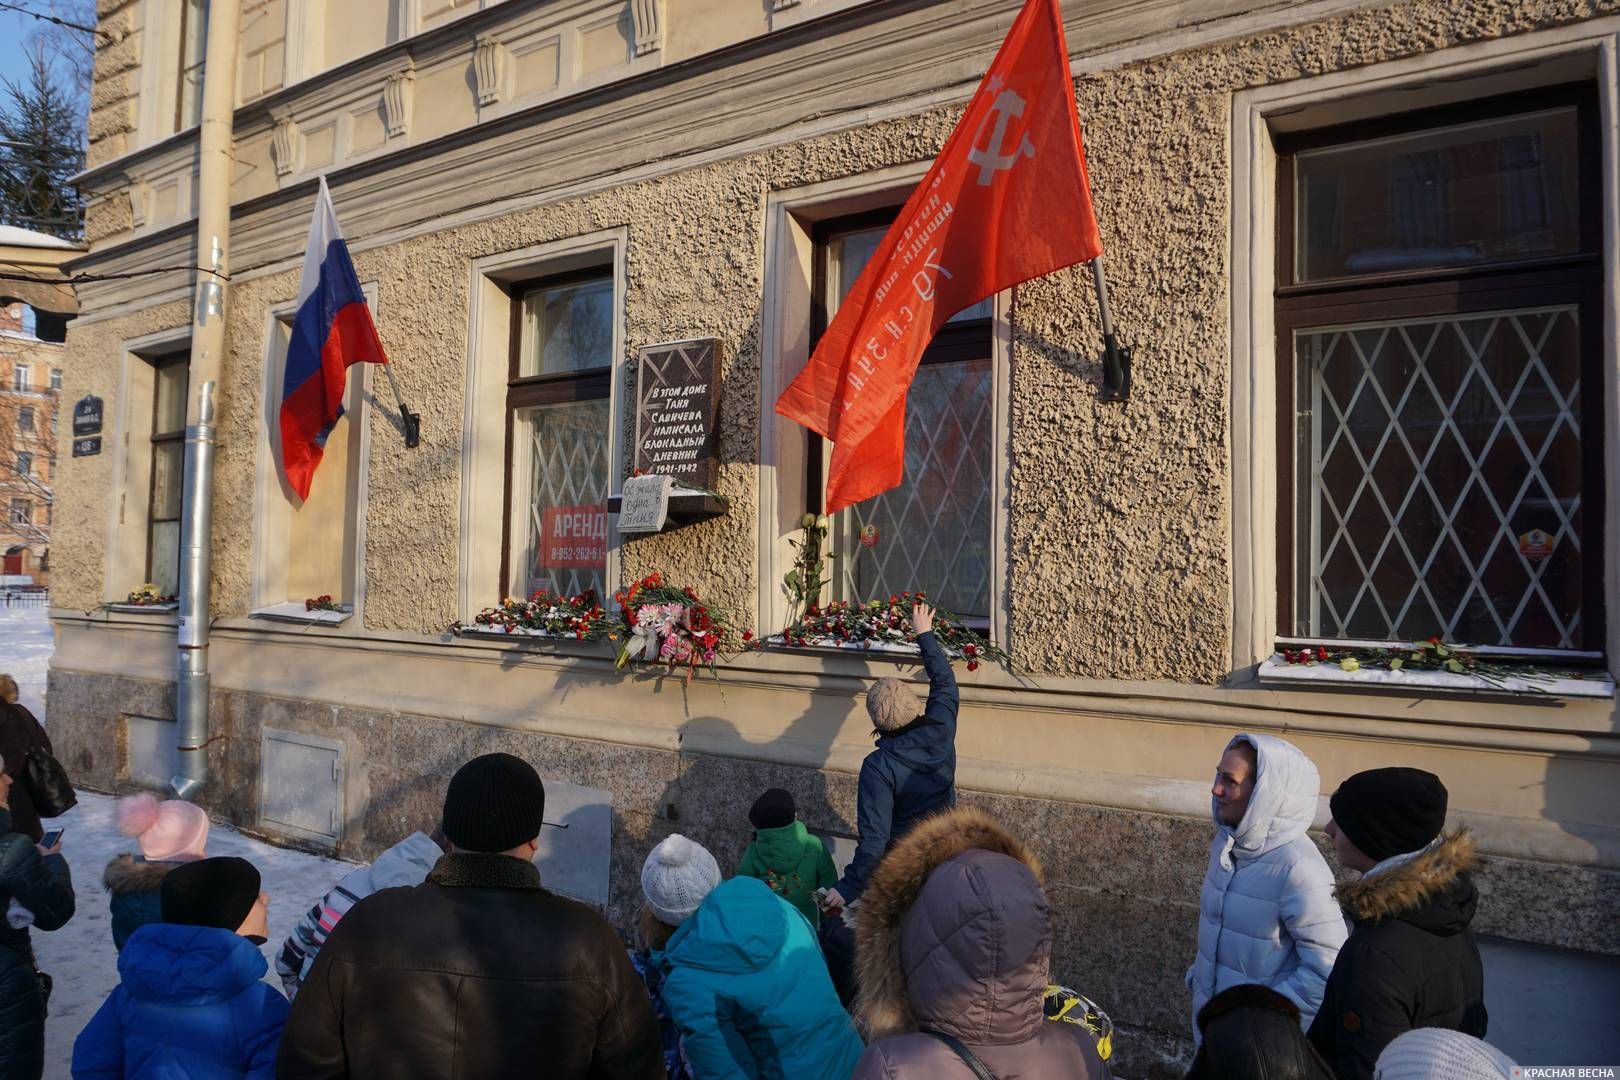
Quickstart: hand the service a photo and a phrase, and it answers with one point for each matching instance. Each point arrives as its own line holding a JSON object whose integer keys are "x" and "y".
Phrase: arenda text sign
{"x": 572, "y": 537}
{"x": 677, "y": 411}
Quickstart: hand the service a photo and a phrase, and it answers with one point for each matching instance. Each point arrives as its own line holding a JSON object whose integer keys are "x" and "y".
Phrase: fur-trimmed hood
{"x": 133, "y": 874}
{"x": 1433, "y": 891}
{"x": 954, "y": 933}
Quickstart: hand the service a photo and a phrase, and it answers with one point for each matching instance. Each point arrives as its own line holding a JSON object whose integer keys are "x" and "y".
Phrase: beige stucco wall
{"x": 1127, "y": 552}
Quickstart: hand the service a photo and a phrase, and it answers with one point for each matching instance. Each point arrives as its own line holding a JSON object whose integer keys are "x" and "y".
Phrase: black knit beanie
{"x": 494, "y": 803}
{"x": 217, "y": 892}
{"x": 772, "y": 810}
{"x": 1387, "y": 812}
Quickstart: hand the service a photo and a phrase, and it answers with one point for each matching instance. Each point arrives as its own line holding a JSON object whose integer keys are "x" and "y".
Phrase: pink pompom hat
{"x": 168, "y": 831}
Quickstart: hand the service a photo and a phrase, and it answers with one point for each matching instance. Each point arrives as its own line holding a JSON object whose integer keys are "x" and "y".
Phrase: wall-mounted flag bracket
{"x": 1116, "y": 360}
{"x": 412, "y": 421}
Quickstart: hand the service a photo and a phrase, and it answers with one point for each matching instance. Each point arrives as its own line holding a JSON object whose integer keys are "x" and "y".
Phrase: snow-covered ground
{"x": 80, "y": 956}
{"x": 26, "y": 644}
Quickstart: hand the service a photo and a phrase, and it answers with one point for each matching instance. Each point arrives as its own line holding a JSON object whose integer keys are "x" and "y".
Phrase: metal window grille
{"x": 567, "y": 447}
{"x": 1440, "y": 488}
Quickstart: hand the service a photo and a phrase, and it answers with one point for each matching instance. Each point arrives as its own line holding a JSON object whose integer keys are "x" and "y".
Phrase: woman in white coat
{"x": 1266, "y": 913}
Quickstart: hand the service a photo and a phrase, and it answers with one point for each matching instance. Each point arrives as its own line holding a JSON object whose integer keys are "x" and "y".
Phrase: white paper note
{"x": 644, "y": 504}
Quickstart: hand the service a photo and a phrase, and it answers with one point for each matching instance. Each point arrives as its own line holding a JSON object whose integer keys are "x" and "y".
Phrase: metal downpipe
{"x": 196, "y": 532}
{"x": 214, "y": 162}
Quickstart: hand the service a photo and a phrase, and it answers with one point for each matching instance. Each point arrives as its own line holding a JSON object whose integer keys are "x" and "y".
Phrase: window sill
{"x": 291, "y": 611}
{"x": 142, "y": 609}
{"x": 1275, "y": 672}
{"x": 899, "y": 652}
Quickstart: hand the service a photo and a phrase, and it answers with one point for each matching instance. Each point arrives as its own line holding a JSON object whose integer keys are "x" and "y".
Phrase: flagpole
{"x": 412, "y": 421}
{"x": 1116, "y": 384}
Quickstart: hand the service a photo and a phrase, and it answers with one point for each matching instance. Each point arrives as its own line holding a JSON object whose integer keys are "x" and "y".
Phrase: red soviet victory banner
{"x": 1007, "y": 200}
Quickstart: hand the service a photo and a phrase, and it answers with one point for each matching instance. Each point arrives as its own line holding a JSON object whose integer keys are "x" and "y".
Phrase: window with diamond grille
{"x": 558, "y": 431}
{"x": 933, "y": 531}
{"x": 1439, "y": 317}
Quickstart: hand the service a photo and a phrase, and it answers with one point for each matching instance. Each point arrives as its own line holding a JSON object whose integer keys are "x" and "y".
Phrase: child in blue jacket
{"x": 191, "y": 1005}
{"x": 912, "y": 773}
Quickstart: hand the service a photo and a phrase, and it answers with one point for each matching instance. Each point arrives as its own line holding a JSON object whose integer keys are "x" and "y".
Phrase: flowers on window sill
{"x": 1433, "y": 656}
{"x": 543, "y": 615}
{"x": 670, "y": 625}
{"x": 883, "y": 625}
{"x": 323, "y": 602}
{"x": 148, "y": 596}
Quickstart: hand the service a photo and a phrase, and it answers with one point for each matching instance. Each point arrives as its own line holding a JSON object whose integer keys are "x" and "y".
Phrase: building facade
{"x": 34, "y": 307}
{"x": 1364, "y": 251}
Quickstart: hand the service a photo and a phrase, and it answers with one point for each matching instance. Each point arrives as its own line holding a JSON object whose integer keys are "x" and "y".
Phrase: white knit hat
{"x": 676, "y": 877}
{"x": 1441, "y": 1054}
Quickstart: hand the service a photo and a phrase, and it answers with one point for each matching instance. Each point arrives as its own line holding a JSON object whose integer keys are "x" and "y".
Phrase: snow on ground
{"x": 80, "y": 956}
{"x": 26, "y": 644}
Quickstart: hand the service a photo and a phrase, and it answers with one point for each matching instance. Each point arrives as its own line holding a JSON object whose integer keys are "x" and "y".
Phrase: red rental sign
{"x": 572, "y": 537}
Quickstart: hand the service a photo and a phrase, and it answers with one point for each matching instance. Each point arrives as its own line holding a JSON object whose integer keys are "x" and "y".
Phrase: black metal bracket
{"x": 1116, "y": 371}
{"x": 413, "y": 427}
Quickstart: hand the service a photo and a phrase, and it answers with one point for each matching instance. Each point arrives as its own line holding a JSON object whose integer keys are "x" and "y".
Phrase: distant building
{"x": 33, "y": 322}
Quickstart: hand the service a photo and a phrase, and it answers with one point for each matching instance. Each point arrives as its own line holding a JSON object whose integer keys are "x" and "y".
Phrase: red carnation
{"x": 1322, "y": 653}
{"x": 748, "y": 635}
{"x": 973, "y": 665}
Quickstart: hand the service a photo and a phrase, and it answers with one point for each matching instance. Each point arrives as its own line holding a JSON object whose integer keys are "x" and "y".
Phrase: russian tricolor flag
{"x": 331, "y": 330}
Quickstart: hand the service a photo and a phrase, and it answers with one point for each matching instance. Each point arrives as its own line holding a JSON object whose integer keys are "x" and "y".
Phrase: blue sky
{"x": 14, "y": 30}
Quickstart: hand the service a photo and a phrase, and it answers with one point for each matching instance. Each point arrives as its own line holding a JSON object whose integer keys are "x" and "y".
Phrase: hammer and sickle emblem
{"x": 990, "y": 159}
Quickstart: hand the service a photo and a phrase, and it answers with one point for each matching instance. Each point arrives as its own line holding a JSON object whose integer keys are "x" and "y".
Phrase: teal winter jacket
{"x": 746, "y": 985}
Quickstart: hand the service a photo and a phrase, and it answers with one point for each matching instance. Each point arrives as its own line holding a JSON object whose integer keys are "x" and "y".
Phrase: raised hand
{"x": 922, "y": 618}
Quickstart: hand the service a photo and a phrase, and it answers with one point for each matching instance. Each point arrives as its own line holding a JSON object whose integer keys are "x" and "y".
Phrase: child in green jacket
{"x": 785, "y": 856}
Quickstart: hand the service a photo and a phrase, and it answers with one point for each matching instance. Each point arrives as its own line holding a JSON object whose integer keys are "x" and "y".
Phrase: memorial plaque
{"x": 87, "y": 447}
{"x": 87, "y": 417}
{"x": 677, "y": 410}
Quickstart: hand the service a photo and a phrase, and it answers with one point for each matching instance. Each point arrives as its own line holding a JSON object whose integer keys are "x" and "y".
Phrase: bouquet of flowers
{"x": 323, "y": 602}
{"x": 669, "y": 625}
{"x": 848, "y": 623}
{"x": 579, "y": 618}
{"x": 148, "y": 596}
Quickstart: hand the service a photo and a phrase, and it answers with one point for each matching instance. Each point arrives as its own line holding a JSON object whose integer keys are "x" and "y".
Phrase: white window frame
{"x": 22, "y": 378}
{"x": 483, "y": 433}
{"x": 790, "y": 216}
{"x": 272, "y": 509}
{"x": 130, "y": 422}
{"x": 1588, "y": 51}
{"x": 32, "y": 425}
{"x": 56, "y": 378}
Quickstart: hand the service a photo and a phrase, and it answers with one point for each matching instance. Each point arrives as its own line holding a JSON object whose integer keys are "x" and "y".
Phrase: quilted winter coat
{"x": 43, "y": 885}
{"x": 136, "y": 887}
{"x": 746, "y": 985}
{"x": 1267, "y": 913}
{"x": 191, "y": 1006}
{"x": 956, "y": 936}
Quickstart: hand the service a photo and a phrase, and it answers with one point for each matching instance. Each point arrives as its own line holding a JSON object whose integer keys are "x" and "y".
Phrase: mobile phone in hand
{"x": 51, "y": 838}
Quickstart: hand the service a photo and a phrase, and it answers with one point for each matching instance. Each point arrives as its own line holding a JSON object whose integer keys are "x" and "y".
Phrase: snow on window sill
{"x": 1275, "y": 672}
{"x": 293, "y": 611}
{"x": 142, "y": 609}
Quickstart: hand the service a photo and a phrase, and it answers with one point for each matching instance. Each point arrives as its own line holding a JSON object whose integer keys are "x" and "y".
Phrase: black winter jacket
{"x": 477, "y": 972}
{"x": 910, "y": 775}
{"x": 45, "y": 888}
{"x": 1410, "y": 962}
{"x": 20, "y": 732}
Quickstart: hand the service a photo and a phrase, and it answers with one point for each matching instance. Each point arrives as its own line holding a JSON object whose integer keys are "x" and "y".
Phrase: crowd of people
{"x": 929, "y": 956}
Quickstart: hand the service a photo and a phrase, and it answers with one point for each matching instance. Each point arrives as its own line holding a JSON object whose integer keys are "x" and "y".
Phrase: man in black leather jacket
{"x": 479, "y": 971}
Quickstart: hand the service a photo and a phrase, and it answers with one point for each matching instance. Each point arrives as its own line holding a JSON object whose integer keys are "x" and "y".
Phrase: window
{"x": 56, "y": 378}
{"x": 22, "y": 512}
{"x": 20, "y": 377}
{"x": 170, "y": 383}
{"x": 193, "y": 49}
{"x": 558, "y": 435}
{"x": 25, "y": 418}
{"x": 933, "y": 531}
{"x": 25, "y": 463}
{"x": 1438, "y": 333}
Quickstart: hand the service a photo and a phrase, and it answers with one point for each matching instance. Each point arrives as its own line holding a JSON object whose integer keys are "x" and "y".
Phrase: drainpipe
{"x": 207, "y": 351}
